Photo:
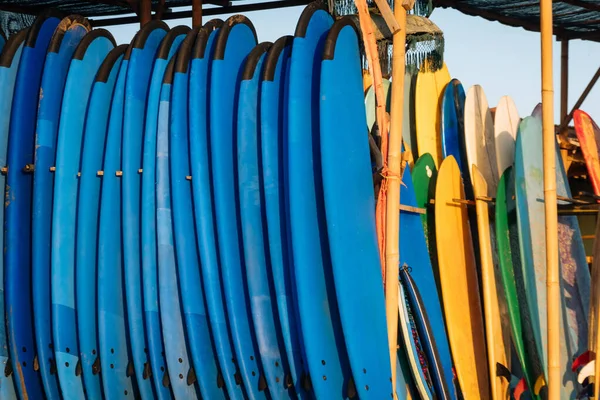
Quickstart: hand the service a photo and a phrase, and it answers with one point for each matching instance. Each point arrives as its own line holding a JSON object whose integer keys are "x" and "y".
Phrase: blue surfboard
{"x": 88, "y": 57}
{"x": 181, "y": 377}
{"x": 199, "y": 125}
{"x": 349, "y": 205}
{"x": 415, "y": 255}
{"x": 235, "y": 40}
{"x": 156, "y": 347}
{"x": 9, "y": 64}
{"x": 66, "y": 38}
{"x": 273, "y": 120}
{"x": 88, "y": 206}
{"x": 137, "y": 83}
{"x": 200, "y": 344}
{"x": 251, "y": 204}
{"x": 115, "y": 350}
{"x": 453, "y": 105}
{"x": 324, "y": 345}
{"x": 17, "y": 202}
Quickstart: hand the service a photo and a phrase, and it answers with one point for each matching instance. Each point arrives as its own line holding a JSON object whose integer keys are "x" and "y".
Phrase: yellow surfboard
{"x": 458, "y": 280}
{"x": 428, "y": 94}
{"x": 497, "y": 326}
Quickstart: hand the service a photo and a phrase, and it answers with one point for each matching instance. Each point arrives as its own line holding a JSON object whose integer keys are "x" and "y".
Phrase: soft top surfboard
{"x": 88, "y": 57}
{"x": 200, "y": 160}
{"x": 507, "y": 237}
{"x": 201, "y": 352}
{"x": 17, "y": 203}
{"x": 531, "y": 217}
{"x": 9, "y": 64}
{"x": 67, "y": 36}
{"x": 506, "y": 123}
{"x": 88, "y": 205}
{"x": 479, "y": 138}
{"x": 179, "y": 375}
{"x": 273, "y": 119}
{"x": 156, "y": 348}
{"x": 460, "y": 288}
{"x": 317, "y": 305}
{"x": 414, "y": 254}
{"x": 235, "y": 40}
{"x": 251, "y": 204}
{"x": 428, "y": 98}
{"x": 115, "y": 351}
{"x": 349, "y": 204}
{"x": 141, "y": 62}
{"x": 497, "y": 327}
{"x": 453, "y": 127}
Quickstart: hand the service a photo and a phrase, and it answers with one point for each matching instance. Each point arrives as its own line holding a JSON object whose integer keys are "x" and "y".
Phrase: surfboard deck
{"x": 154, "y": 332}
{"x": 497, "y": 327}
{"x": 428, "y": 98}
{"x": 199, "y": 102}
{"x": 452, "y": 120}
{"x": 9, "y": 64}
{"x": 506, "y": 124}
{"x": 17, "y": 205}
{"x": 459, "y": 282}
{"x": 317, "y": 304}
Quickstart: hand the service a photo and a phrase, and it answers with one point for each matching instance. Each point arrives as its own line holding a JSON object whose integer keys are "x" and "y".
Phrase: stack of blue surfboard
{"x": 188, "y": 216}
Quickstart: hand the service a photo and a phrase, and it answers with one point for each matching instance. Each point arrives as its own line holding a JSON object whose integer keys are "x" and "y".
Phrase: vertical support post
{"x": 392, "y": 254}
{"x": 145, "y": 12}
{"x": 564, "y": 79}
{"x": 196, "y": 13}
{"x": 549, "y": 149}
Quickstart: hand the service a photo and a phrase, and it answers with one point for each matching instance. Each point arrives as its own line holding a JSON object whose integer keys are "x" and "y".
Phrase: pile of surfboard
{"x": 472, "y": 250}
{"x": 188, "y": 216}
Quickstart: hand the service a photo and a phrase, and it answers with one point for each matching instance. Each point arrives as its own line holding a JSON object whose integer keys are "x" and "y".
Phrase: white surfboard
{"x": 506, "y": 124}
{"x": 479, "y": 137}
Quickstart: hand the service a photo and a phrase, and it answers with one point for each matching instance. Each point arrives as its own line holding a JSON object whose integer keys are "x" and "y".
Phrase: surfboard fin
{"x": 8, "y": 370}
{"x": 36, "y": 363}
{"x": 262, "y": 383}
{"x": 586, "y": 392}
{"x": 520, "y": 389}
{"x": 78, "y": 368}
{"x": 191, "y": 376}
{"x": 582, "y": 360}
{"x": 220, "y": 380}
{"x": 238, "y": 378}
{"x": 165, "y": 380}
{"x": 96, "y": 366}
{"x": 130, "y": 370}
{"x": 287, "y": 381}
{"x": 306, "y": 382}
{"x": 503, "y": 372}
{"x": 52, "y": 367}
{"x": 351, "y": 389}
{"x": 147, "y": 371}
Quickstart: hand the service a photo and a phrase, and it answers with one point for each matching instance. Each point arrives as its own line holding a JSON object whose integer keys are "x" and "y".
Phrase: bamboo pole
{"x": 549, "y": 149}
{"x": 564, "y": 79}
{"x": 372, "y": 54}
{"x": 196, "y": 13}
{"x": 392, "y": 254}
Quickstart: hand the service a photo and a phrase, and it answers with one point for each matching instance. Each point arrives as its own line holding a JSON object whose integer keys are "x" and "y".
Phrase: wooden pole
{"x": 392, "y": 254}
{"x": 196, "y": 13}
{"x": 549, "y": 151}
{"x": 580, "y": 100}
{"x": 564, "y": 79}
{"x": 145, "y": 12}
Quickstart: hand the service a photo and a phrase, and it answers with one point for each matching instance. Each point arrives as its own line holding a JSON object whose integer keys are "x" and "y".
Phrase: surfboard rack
{"x": 411, "y": 209}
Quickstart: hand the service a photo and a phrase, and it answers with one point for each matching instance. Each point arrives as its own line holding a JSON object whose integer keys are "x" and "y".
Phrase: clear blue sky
{"x": 502, "y": 59}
